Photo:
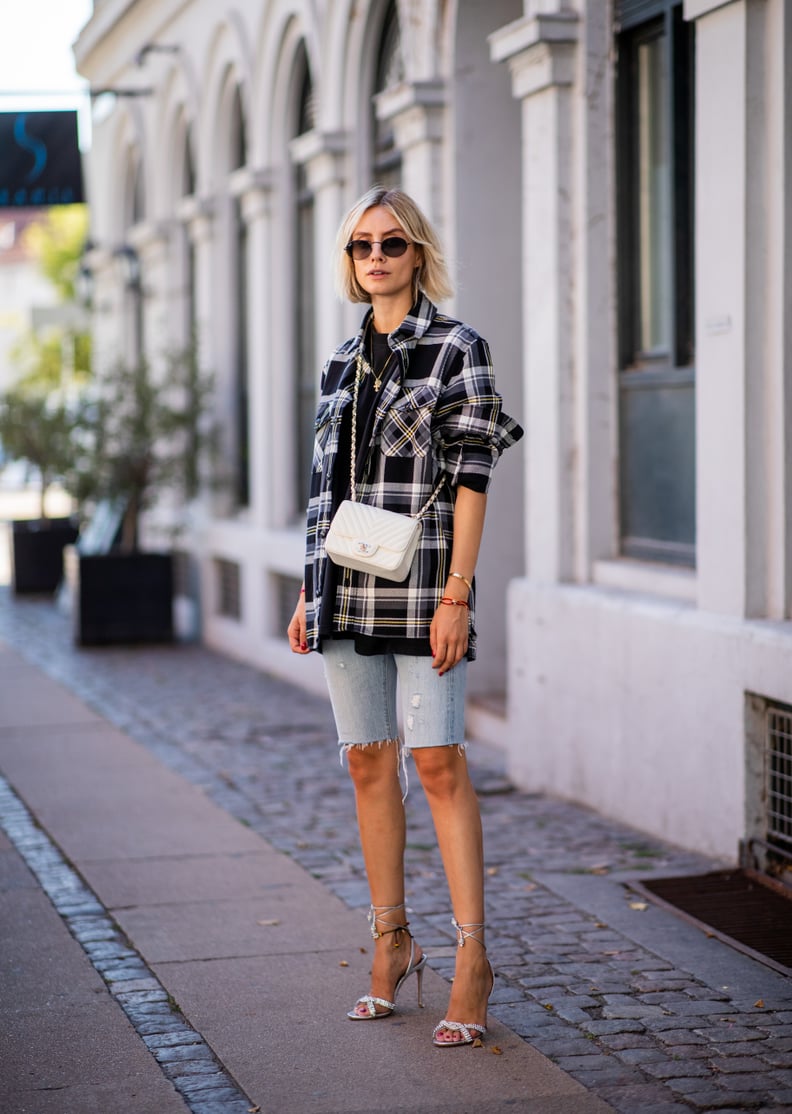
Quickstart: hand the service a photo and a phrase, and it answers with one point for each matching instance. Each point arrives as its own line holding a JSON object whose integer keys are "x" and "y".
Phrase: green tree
{"x": 38, "y": 429}
{"x": 57, "y": 241}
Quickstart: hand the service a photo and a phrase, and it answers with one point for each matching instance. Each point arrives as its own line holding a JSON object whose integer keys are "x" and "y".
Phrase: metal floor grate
{"x": 741, "y": 908}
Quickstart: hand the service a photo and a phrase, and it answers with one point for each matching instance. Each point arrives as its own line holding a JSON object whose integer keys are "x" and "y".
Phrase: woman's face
{"x": 381, "y": 275}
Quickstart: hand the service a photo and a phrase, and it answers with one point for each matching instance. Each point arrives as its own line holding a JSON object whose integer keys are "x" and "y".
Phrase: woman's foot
{"x": 396, "y": 957}
{"x": 466, "y": 1019}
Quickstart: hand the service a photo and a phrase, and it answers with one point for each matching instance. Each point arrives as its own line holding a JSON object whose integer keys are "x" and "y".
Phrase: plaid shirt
{"x": 437, "y": 415}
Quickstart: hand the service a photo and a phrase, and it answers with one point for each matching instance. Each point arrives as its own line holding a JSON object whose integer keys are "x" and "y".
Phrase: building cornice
{"x": 108, "y": 42}
{"x": 540, "y": 50}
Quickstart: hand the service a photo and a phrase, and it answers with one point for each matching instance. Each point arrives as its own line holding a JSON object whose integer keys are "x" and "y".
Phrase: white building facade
{"x": 612, "y": 183}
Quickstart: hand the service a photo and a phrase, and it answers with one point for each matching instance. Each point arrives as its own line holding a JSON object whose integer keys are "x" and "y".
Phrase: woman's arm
{"x": 448, "y": 634}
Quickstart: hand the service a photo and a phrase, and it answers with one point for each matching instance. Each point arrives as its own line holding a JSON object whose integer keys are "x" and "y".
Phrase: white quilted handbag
{"x": 370, "y": 539}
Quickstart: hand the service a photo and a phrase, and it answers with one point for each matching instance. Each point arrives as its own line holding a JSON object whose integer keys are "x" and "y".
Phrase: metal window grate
{"x": 779, "y": 776}
{"x": 229, "y": 589}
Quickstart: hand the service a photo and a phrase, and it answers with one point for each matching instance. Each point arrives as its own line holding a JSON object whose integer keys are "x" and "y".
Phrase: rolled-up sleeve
{"x": 471, "y": 429}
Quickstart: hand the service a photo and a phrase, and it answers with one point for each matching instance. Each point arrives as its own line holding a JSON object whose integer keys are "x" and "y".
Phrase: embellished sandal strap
{"x": 468, "y": 932}
{"x": 460, "y": 1027}
{"x": 369, "y": 1001}
{"x": 380, "y": 913}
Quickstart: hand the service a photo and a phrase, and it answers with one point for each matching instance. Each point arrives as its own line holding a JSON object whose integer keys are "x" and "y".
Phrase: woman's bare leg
{"x": 380, "y": 811}
{"x": 455, "y": 811}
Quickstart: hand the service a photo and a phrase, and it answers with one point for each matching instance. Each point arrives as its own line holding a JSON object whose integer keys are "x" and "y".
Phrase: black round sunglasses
{"x": 392, "y": 247}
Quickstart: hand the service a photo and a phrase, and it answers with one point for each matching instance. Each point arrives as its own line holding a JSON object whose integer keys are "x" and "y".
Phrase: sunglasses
{"x": 392, "y": 247}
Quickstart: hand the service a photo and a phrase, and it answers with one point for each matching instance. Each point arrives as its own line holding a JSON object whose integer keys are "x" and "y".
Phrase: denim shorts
{"x": 363, "y": 692}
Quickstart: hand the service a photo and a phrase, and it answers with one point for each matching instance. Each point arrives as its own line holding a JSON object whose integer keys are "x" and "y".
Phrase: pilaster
{"x": 541, "y": 53}
{"x": 416, "y": 110}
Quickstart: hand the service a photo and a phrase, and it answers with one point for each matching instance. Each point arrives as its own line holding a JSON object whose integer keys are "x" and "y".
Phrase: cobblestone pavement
{"x": 645, "y": 1034}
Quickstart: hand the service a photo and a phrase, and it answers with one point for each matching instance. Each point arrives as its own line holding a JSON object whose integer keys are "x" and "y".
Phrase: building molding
{"x": 540, "y": 50}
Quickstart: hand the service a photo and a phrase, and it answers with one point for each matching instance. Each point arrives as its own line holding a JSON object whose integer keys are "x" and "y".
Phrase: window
{"x": 385, "y": 156}
{"x": 240, "y": 254}
{"x": 304, "y": 295}
{"x": 187, "y": 189}
{"x": 655, "y": 105}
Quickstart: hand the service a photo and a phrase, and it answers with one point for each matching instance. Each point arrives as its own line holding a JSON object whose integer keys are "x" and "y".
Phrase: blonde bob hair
{"x": 431, "y": 275}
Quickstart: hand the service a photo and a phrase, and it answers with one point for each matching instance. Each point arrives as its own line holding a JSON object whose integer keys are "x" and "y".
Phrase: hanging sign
{"x": 39, "y": 159}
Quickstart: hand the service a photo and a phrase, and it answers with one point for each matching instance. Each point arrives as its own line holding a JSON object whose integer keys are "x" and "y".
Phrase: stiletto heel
{"x": 368, "y": 1001}
{"x": 466, "y": 1029}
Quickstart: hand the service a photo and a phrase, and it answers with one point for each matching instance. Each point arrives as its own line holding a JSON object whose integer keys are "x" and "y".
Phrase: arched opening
{"x": 385, "y": 155}
{"x": 240, "y": 263}
{"x": 304, "y": 116}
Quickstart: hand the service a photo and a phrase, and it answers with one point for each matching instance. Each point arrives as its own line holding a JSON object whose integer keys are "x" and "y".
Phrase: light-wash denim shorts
{"x": 363, "y": 692}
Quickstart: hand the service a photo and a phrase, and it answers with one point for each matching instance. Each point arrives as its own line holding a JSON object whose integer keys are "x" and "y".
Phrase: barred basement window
{"x": 778, "y": 773}
{"x": 229, "y": 585}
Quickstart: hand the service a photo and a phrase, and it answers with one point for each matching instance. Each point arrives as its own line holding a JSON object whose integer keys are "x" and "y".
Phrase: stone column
{"x": 152, "y": 241}
{"x": 323, "y": 155}
{"x": 743, "y": 291}
{"x": 417, "y": 112}
{"x": 541, "y": 53}
{"x": 253, "y": 189}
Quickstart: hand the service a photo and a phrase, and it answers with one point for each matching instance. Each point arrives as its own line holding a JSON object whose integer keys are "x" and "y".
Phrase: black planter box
{"x": 37, "y": 552}
{"x": 121, "y": 597}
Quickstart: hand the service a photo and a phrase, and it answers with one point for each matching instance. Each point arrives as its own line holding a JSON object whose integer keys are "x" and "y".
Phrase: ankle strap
{"x": 468, "y": 932}
{"x": 380, "y": 913}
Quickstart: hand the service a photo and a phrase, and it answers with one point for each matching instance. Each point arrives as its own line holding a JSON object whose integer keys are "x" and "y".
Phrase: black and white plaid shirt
{"x": 437, "y": 415}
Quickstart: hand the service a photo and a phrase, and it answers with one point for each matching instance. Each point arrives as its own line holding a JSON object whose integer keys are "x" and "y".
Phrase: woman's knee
{"x": 442, "y": 770}
{"x": 373, "y": 764}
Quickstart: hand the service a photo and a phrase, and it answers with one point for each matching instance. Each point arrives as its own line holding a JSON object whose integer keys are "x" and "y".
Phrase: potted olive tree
{"x": 36, "y": 428}
{"x": 144, "y": 442}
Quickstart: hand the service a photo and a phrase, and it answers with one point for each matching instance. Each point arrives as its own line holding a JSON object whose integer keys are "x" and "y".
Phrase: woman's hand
{"x": 297, "y": 630}
{"x": 448, "y": 636}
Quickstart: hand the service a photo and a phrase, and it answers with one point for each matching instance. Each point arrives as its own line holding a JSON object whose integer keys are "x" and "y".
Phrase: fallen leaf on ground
{"x": 760, "y": 1004}
{"x": 343, "y": 963}
{"x": 639, "y": 906}
{"x": 268, "y": 924}
{"x": 478, "y": 1043}
{"x": 492, "y": 870}
{"x": 497, "y": 1051}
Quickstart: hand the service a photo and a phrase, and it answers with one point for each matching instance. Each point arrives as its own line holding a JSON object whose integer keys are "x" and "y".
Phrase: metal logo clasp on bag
{"x": 365, "y": 549}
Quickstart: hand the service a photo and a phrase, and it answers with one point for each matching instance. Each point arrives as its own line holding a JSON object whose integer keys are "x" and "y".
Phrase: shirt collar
{"x": 414, "y": 325}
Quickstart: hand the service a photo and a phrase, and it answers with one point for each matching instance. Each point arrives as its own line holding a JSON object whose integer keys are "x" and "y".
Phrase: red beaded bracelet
{"x": 454, "y": 603}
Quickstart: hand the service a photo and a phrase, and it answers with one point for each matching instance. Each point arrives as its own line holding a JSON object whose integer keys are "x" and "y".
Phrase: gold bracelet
{"x": 464, "y": 579}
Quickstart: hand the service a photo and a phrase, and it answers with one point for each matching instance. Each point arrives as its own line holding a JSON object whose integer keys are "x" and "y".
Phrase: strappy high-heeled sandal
{"x": 465, "y": 1028}
{"x": 380, "y": 913}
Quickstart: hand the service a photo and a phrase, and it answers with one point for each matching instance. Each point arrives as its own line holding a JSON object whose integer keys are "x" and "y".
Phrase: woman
{"x": 426, "y": 413}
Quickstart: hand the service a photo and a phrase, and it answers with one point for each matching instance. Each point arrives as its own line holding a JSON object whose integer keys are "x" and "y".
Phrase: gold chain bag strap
{"x": 370, "y": 539}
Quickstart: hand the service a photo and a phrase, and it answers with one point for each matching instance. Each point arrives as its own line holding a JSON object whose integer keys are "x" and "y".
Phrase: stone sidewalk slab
{"x": 268, "y": 998}
{"x": 65, "y": 1046}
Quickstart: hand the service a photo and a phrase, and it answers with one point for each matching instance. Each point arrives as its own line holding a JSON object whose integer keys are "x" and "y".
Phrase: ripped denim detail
{"x": 404, "y": 753}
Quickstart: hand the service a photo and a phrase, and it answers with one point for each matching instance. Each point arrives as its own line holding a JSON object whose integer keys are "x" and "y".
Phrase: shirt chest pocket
{"x": 407, "y": 426}
{"x": 326, "y": 431}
